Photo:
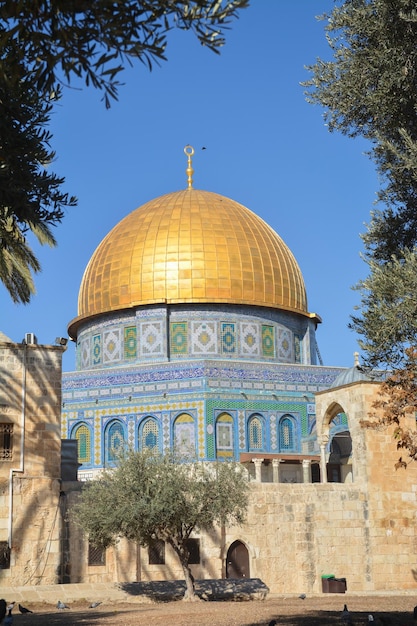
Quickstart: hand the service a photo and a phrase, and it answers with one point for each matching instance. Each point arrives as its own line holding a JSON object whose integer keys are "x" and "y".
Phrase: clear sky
{"x": 265, "y": 148}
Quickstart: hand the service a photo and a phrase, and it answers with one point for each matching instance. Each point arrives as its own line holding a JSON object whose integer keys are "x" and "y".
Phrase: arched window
{"x": 286, "y": 434}
{"x": 82, "y": 434}
{"x": 149, "y": 434}
{"x": 114, "y": 441}
{"x": 224, "y": 436}
{"x": 184, "y": 435}
{"x": 255, "y": 433}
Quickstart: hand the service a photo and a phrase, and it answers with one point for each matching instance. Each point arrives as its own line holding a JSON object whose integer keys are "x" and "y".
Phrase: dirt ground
{"x": 287, "y": 611}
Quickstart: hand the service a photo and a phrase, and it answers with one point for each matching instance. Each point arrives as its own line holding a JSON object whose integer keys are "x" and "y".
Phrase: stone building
{"x": 30, "y": 461}
{"x": 193, "y": 332}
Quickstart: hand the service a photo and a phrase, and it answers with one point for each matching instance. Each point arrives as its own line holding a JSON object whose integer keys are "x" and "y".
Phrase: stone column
{"x": 258, "y": 469}
{"x": 323, "y": 465}
{"x": 306, "y": 471}
{"x": 275, "y": 470}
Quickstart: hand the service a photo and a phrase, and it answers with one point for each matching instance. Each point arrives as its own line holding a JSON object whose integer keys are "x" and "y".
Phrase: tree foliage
{"x": 388, "y": 312}
{"x": 368, "y": 89}
{"x": 45, "y": 46}
{"x": 30, "y": 196}
{"x": 149, "y": 496}
{"x": 60, "y": 40}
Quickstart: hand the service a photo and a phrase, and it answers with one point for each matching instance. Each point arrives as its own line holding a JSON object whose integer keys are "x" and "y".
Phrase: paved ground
{"x": 117, "y": 608}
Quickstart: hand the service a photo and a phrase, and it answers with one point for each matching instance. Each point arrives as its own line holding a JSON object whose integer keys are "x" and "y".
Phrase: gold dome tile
{"x": 191, "y": 246}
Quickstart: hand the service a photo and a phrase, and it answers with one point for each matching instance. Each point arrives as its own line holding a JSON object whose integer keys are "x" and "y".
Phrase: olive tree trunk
{"x": 183, "y": 555}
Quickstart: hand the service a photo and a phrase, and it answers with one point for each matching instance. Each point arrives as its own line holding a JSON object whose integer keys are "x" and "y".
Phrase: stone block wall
{"x": 30, "y": 400}
{"x": 294, "y": 534}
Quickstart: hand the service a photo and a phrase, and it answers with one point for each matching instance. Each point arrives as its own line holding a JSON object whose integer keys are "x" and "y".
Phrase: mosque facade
{"x": 193, "y": 332}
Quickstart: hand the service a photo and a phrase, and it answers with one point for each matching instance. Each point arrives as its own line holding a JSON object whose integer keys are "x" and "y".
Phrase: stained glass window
{"x": 224, "y": 436}
{"x": 255, "y": 433}
{"x": 114, "y": 440}
{"x": 149, "y": 434}
{"x": 184, "y": 435}
{"x": 286, "y": 434}
{"x": 83, "y": 436}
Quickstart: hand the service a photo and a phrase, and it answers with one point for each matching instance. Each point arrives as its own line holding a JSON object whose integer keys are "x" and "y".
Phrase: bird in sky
{"x": 61, "y": 605}
{"x": 94, "y": 605}
{"x": 24, "y": 610}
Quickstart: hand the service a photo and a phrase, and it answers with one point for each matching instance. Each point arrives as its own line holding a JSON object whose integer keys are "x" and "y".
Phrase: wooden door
{"x": 237, "y": 561}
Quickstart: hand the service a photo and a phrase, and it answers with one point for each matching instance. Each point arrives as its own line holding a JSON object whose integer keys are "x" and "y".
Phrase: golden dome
{"x": 191, "y": 246}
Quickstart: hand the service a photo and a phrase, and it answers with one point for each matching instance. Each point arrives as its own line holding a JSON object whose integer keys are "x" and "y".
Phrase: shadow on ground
{"x": 231, "y": 589}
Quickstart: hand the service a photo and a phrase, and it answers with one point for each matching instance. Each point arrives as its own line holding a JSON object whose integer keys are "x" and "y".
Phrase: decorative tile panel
{"x": 285, "y": 345}
{"x": 97, "y": 439}
{"x": 130, "y": 342}
{"x": 85, "y": 352}
{"x": 166, "y": 431}
{"x": 268, "y": 341}
{"x": 203, "y": 338}
{"x": 112, "y": 349}
{"x": 151, "y": 339}
{"x": 201, "y": 431}
{"x": 179, "y": 338}
{"x": 241, "y": 429}
{"x": 273, "y": 431}
{"x": 131, "y": 431}
{"x": 249, "y": 339}
{"x": 228, "y": 338}
{"x": 96, "y": 349}
{"x": 297, "y": 349}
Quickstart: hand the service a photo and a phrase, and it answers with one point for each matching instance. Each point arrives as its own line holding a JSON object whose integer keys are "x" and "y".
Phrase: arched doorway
{"x": 237, "y": 561}
{"x": 340, "y": 450}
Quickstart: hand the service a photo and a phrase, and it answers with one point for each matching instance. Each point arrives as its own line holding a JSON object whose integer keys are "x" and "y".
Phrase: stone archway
{"x": 336, "y": 446}
{"x": 340, "y": 451}
{"x": 237, "y": 561}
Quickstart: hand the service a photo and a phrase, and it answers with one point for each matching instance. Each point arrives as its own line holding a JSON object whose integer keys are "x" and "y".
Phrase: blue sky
{"x": 265, "y": 148}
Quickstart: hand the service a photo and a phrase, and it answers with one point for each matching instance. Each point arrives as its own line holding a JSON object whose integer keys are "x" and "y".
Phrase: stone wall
{"x": 30, "y": 521}
{"x": 294, "y": 534}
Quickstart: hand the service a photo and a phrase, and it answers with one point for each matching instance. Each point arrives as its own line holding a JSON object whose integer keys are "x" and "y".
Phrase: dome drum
{"x": 167, "y": 333}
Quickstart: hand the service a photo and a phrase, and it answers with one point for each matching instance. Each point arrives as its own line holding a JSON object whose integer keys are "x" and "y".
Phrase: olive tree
{"x": 149, "y": 496}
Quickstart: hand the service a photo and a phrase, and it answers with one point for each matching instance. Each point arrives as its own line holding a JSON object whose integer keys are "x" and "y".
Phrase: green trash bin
{"x": 331, "y": 584}
{"x": 338, "y": 585}
{"x": 326, "y": 582}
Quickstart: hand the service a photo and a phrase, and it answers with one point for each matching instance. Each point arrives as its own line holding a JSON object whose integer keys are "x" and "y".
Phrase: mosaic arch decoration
{"x": 82, "y": 434}
{"x": 184, "y": 435}
{"x": 114, "y": 440}
{"x": 224, "y": 436}
{"x": 255, "y": 433}
{"x": 149, "y": 434}
{"x": 286, "y": 434}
